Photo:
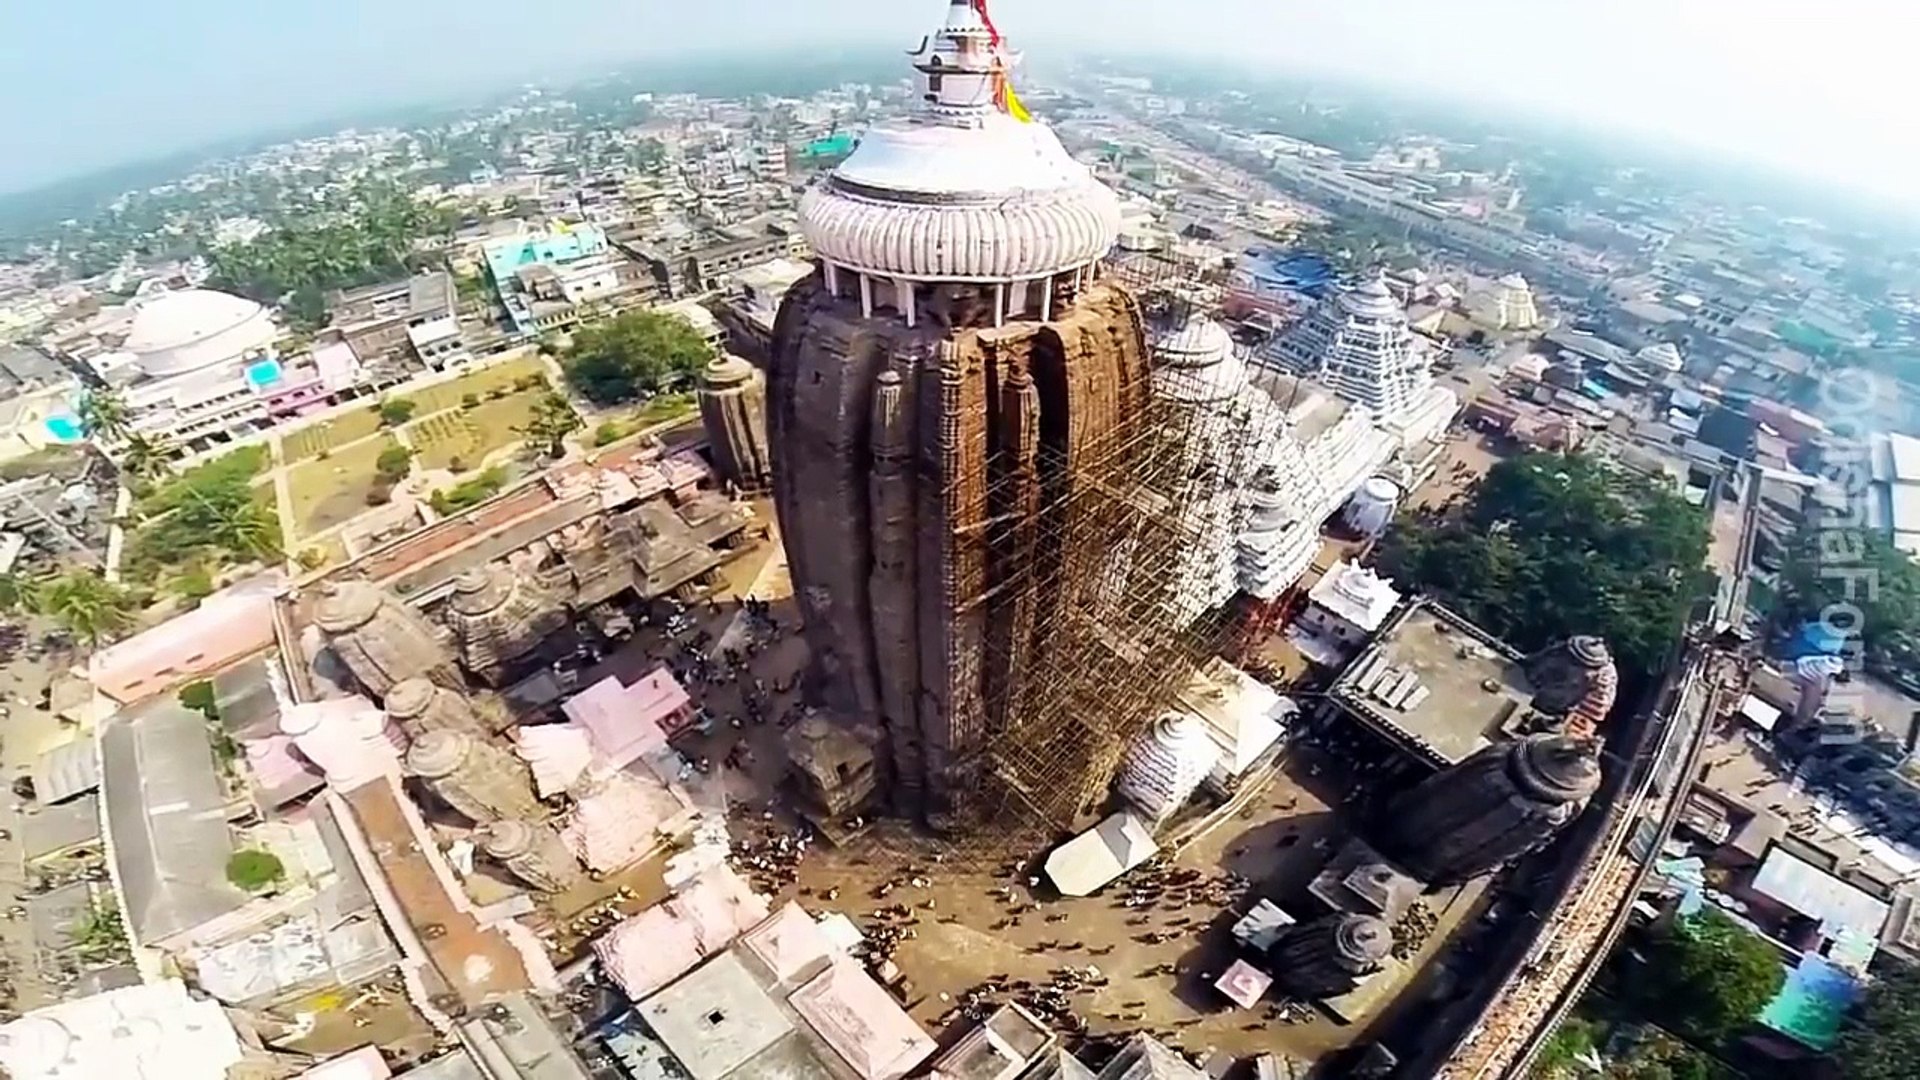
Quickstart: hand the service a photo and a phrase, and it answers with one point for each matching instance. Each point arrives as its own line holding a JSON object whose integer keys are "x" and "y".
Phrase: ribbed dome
{"x": 727, "y": 370}
{"x": 185, "y": 331}
{"x": 1555, "y": 768}
{"x": 1166, "y": 766}
{"x": 961, "y": 191}
{"x": 1371, "y": 300}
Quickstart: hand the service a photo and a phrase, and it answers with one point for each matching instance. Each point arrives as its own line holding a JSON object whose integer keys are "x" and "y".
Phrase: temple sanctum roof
{"x": 966, "y": 189}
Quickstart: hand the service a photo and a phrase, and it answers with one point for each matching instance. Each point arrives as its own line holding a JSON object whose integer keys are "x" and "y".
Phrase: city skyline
{"x": 1811, "y": 96}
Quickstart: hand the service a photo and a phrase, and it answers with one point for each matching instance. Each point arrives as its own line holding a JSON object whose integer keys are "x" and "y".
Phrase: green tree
{"x": 396, "y": 411}
{"x": 88, "y": 606}
{"x": 394, "y": 463}
{"x": 199, "y": 696}
{"x": 608, "y": 433}
{"x": 255, "y": 870}
{"x": 549, "y": 424}
{"x": 1560, "y": 1058}
{"x": 1710, "y": 976}
{"x": 633, "y": 355}
{"x": 1827, "y": 569}
{"x": 1548, "y": 546}
{"x": 1881, "y": 1039}
{"x": 103, "y": 413}
{"x": 101, "y": 935}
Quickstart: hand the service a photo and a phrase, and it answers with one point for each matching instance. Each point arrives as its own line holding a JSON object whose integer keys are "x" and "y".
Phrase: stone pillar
{"x": 890, "y": 489}
{"x": 533, "y": 853}
{"x": 481, "y": 781}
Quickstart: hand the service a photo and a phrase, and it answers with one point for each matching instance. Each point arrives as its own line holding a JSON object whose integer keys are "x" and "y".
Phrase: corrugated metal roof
{"x": 166, "y": 820}
{"x": 65, "y": 772}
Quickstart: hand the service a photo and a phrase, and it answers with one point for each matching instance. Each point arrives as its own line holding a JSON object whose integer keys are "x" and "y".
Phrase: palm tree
{"x": 103, "y": 413}
{"x": 87, "y": 605}
{"x": 145, "y": 458}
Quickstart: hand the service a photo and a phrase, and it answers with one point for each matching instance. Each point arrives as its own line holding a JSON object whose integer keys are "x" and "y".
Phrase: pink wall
{"x": 228, "y": 626}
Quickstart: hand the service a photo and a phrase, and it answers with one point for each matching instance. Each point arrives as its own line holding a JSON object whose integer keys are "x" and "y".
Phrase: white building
{"x": 1344, "y": 610}
{"x": 1359, "y": 345}
{"x": 152, "y": 1031}
{"x": 194, "y": 363}
{"x": 1661, "y": 356}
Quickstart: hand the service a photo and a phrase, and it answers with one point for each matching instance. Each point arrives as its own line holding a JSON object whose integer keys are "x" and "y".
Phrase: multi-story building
{"x": 413, "y": 319}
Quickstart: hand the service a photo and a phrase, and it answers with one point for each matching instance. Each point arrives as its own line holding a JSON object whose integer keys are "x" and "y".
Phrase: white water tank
{"x": 1166, "y": 765}
{"x": 1371, "y": 509}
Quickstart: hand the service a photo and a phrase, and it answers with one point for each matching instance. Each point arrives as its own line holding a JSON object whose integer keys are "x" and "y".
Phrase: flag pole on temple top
{"x": 1003, "y": 93}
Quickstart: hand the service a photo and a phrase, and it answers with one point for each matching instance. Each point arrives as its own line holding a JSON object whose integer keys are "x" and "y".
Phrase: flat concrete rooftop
{"x": 1435, "y": 684}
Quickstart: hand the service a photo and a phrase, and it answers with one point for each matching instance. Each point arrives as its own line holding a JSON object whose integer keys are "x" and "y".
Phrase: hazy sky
{"x": 1823, "y": 87}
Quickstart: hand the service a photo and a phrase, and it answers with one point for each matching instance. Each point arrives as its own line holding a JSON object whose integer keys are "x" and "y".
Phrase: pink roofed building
{"x": 861, "y": 1022}
{"x": 650, "y": 950}
{"x": 227, "y": 627}
{"x": 628, "y": 721}
{"x": 791, "y": 945}
{"x": 1243, "y": 984}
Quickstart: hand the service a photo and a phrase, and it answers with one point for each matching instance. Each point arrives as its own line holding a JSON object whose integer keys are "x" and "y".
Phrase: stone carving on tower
{"x": 481, "y": 781}
{"x": 380, "y": 638}
{"x": 499, "y": 618}
{"x": 1360, "y": 346}
{"x": 1490, "y": 809}
{"x": 956, "y": 339}
{"x": 733, "y": 409}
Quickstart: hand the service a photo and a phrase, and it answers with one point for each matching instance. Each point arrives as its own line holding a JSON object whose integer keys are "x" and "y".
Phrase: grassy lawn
{"x": 328, "y": 493}
{"x": 351, "y": 426}
{"x": 471, "y": 435}
{"x": 447, "y": 395}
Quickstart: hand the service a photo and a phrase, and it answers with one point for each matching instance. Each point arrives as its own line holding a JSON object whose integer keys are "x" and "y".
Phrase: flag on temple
{"x": 1003, "y": 93}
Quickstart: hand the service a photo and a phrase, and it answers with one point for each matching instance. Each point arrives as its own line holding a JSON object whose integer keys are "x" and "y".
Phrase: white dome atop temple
{"x": 1167, "y": 764}
{"x": 1371, "y": 509}
{"x": 1195, "y": 362}
{"x": 962, "y": 190}
{"x": 179, "y": 332}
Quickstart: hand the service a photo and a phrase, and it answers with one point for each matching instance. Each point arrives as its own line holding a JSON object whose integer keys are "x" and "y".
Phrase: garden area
{"x": 329, "y": 435}
{"x": 459, "y": 440}
{"x": 331, "y": 491}
{"x": 502, "y": 378}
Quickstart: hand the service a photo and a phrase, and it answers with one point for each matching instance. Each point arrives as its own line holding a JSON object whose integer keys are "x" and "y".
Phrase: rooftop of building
{"x": 1435, "y": 685}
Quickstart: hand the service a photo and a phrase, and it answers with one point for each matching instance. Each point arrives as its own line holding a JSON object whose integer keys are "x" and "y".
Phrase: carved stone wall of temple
{"x": 499, "y": 618}
{"x": 380, "y": 638}
{"x": 882, "y": 436}
{"x": 1497, "y": 805}
{"x": 733, "y": 409}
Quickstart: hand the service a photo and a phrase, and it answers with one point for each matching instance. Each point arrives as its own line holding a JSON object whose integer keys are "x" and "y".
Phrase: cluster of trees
{"x": 391, "y": 467}
{"x": 1550, "y": 545}
{"x": 209, "y": 515}
{"x": 634, "y": 355}
{"x": 82, "y": 602}
{"x": 1709, "y": 976}
{"x": 1881, "y": 1039}
{"x": 1841, "y": 570}
{"x": 301, "y": 259}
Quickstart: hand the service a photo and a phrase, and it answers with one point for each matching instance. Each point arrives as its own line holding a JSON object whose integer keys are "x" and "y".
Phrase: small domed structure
{"x": 1371, "y": 509}
{"x": 1331, "y": 955}
{"x": 474, "y": 777}
{"x": 1661, "y": 356}
{"x": 1577, "y": 680}
{"x": 421, "y": 705}
{"x": 533, "y": 853}
{"x": 733, "y": 407}
{"x": 1166, "y": 765}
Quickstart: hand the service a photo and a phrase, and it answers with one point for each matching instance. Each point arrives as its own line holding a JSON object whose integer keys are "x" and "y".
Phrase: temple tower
{"x": 1574, "y": 682}
{"x": 933, "y": 387}
{"x": 380, "y": 638}
{"x": 1497, "y": 805}
{"x": 1331, "y": 955}
{"x": 499, "y": 618}
{"x": 419, "y": 706}
{"x": 533, "y": 853}
{"x": 733, "y": 409}
{"x": 483, "y": 782}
